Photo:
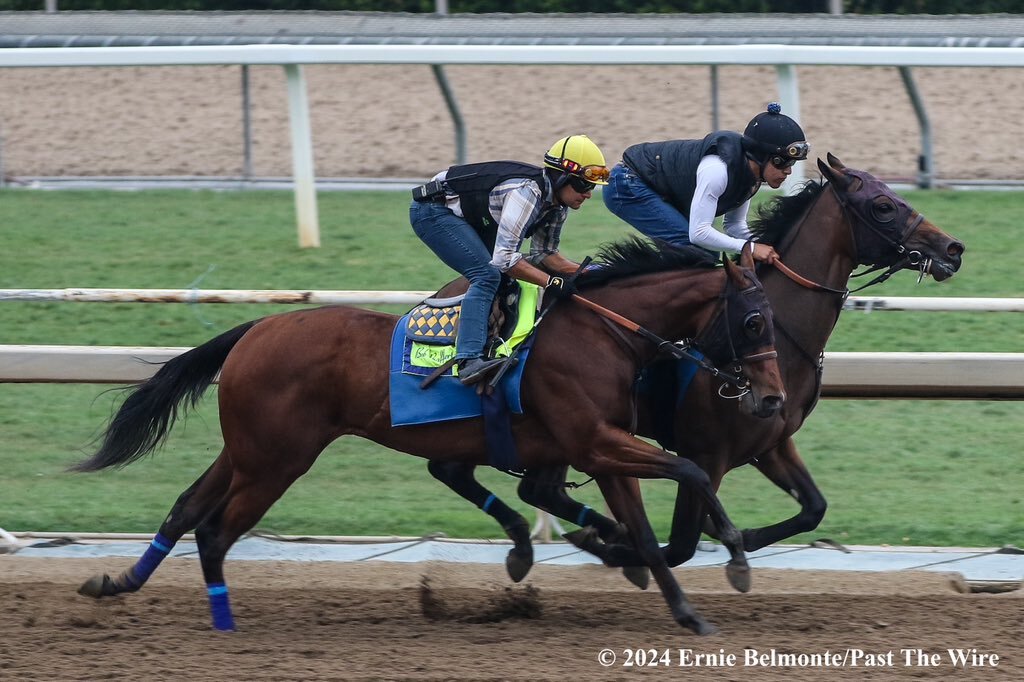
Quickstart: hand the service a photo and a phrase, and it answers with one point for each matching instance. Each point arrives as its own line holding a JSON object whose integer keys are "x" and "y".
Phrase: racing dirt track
{"x": 375, "y": 620}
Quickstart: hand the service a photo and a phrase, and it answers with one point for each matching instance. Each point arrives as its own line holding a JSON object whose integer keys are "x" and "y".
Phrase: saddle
{"x": 436, "y": 320}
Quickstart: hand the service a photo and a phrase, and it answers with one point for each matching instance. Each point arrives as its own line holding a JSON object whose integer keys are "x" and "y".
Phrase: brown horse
{"x": 823, "y": 233}
{"x": 292, "y": 383}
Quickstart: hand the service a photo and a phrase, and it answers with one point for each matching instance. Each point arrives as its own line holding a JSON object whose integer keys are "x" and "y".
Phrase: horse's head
{"x": 887, "y": 231}
{"x": 741, "y": 338}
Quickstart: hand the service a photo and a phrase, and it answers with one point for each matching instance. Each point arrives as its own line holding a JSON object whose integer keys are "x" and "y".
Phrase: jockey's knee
{"x": 486, "y": 278}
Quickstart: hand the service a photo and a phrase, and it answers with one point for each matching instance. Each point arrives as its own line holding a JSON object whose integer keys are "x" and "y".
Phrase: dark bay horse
{"x": 292, "y": 383}
{"x": 822, "y": 233}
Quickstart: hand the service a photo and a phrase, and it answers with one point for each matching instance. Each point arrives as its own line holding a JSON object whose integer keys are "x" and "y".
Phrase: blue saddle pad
{"x": 446, "y": 398}
{"x": 663, "y": 385}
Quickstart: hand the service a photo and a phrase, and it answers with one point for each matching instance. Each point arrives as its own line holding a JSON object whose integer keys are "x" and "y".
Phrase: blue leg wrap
{"x": 158, "y": 549}
{"x": 490, "y": 500}
{"x": 220, "y": 608}
{"x": 581, "y": 519}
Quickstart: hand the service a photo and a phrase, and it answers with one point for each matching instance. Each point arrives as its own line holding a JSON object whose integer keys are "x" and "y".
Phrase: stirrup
{"x": 473, "y": 370}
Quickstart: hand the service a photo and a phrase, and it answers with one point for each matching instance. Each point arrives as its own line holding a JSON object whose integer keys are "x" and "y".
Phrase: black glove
{"x": 559, "y": 287}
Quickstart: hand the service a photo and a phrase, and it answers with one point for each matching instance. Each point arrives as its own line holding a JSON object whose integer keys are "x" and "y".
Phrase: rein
{"x": 908, "y": 257}
{"x": 680, "y": 351}
{"x": 807, "y": 283}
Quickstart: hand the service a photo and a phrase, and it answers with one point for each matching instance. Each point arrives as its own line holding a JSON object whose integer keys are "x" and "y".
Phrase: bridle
{"x": 710, "y": 335}
{"x": 718, "y": 334}
{"x": 870, "y": 219}
{"x": 863, "y": 209}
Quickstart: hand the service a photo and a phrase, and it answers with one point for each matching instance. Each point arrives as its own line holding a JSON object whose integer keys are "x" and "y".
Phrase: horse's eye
{"x": 883, "y": 210}
{"x": 753, "y": 325}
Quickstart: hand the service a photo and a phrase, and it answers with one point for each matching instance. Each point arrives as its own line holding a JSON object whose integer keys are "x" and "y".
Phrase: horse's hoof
{"x": 518, "y": 564}
{"x": 94, "y": 586}
{"x": 691, "y": 620}
{"x": 638, "y": 575}
{"x": 739, "y": 576}
{"x": 584, "y": 538}
{"x": 703, "y": 628}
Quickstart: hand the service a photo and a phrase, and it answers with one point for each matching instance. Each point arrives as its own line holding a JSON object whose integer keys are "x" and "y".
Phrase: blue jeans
{"x": 631, "y": 199}
{"x": 458, "y": 245}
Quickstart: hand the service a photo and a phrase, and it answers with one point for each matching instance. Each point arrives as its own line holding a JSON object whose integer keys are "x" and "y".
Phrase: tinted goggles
{"x": 581, "y": 185}
{"x": 585, "y": 178}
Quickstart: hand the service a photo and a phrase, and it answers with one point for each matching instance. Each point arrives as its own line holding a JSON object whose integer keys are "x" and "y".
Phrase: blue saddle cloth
{"x": 663, "y": 385}
{"x": 446, "y": 398}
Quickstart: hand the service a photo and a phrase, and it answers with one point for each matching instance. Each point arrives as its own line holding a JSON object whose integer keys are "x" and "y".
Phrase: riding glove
{"x": 559, "y": 287}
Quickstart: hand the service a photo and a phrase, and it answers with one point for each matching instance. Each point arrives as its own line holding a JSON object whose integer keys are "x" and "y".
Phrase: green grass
{"x": 898, "y": 472}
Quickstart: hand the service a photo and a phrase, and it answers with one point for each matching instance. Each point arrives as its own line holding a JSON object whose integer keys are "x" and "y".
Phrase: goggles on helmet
{"x": 587, "y": 178}
{"x": 795, "y": 151}
{"x": 591, "y": 173}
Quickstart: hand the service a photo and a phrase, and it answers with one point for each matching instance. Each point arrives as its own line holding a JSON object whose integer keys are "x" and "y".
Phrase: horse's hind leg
{"x": 459, "y": 477}
{"x": 190, "y": 507}
{"x": 245, "y": 503}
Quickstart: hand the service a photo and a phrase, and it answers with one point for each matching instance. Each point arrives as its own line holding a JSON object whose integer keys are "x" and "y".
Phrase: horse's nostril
{"x": 774, "y": 402}
{"x": 955, "y": 249}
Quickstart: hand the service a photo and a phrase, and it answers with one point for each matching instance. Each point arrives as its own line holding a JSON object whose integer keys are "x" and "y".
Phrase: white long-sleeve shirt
{"x": 712, "y": 180}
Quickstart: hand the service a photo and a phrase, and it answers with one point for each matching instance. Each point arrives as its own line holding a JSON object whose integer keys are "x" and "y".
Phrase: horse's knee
{"x": 674, "y": 555}
{"x": 693, "y": 475}
{"x": 812, "y": 514}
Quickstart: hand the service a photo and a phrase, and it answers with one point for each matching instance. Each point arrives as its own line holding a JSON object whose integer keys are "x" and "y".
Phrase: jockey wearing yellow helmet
{"x": 475, "y": 217}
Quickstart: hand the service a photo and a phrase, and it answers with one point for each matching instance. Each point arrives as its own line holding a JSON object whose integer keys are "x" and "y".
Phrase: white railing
{"x": 847, "y": 375}
{"x": 785, "y": 58}
{"x": 368, "y": 297}
{"x": 989, "y": 376}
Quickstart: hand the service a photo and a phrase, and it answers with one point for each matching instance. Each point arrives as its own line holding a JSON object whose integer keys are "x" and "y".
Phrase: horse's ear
{"x": 835, "y": 176}
{"x": 747, "y": 255}
{"x": 835, "y": 162}
{"x": 734, "y": 271}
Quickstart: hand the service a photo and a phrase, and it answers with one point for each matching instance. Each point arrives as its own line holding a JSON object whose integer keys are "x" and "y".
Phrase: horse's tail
{"x": 151, "y": 408}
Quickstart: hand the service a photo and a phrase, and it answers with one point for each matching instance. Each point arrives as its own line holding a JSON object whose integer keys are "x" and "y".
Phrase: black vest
{"x": 474, "y": 182}
{"x": 670, "y": 169}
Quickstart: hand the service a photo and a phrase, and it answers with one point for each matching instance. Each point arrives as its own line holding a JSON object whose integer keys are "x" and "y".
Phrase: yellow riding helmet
{"x": 577, "y": 155}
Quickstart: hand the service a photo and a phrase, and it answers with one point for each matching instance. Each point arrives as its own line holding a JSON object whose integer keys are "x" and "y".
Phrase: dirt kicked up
{"x": 377, "y": 620}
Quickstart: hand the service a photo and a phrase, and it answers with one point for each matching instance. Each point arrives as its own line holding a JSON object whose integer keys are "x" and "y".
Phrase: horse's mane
{"x": 636, "y": 256}
{"x": 776, "y": 216}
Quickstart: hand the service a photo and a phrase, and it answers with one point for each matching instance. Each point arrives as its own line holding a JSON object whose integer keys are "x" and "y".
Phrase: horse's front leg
{"x": 690, "y": 513}
{"x": 613, "y": 452}
{"x": 623, "y": 497}
{"x": 783, "y": 466}
{"x": 544, "y": 488}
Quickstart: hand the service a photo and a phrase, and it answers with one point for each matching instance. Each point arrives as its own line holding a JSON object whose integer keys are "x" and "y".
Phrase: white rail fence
{"x": 847, "y": 375}
{"x": 785, "y": 59}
